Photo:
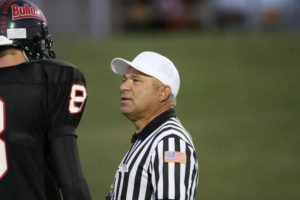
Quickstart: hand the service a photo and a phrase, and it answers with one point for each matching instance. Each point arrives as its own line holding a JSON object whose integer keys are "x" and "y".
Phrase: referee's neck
{"x": 146, "y": 119}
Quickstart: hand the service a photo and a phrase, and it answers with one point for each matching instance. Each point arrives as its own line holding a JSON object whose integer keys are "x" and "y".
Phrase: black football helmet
{"x": 23, "y": 25}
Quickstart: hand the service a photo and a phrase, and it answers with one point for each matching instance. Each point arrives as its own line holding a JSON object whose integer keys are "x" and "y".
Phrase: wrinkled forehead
{"x": 132, "y": 71}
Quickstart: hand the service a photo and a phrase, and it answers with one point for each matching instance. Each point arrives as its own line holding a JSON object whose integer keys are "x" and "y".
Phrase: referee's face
{"x": 139, "y": 95}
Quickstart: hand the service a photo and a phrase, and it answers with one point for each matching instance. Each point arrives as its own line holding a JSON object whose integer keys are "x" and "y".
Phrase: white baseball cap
{"x": 152, "y": 64}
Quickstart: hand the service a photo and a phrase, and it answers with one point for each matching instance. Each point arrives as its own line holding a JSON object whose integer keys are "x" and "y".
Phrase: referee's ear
{"x": 165, "y": 93}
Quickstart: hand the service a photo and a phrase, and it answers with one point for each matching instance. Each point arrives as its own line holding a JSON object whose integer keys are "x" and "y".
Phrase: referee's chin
{"x": 124, "y": 110}
{"x": 128, "y": 116}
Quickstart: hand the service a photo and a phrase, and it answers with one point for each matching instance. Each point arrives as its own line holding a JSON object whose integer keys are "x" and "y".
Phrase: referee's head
{"x": 152, "y": 64}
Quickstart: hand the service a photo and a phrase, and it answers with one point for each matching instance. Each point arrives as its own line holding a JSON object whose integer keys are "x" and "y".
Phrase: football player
{"x": 41, "y": 104}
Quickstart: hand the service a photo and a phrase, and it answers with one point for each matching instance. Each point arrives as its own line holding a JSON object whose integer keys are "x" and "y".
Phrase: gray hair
{"x": 158, "y": 83}
{"x": 173, "y": 99}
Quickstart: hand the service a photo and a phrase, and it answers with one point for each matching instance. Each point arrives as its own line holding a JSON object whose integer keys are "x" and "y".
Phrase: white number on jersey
{"x": 77, "y": 98}
{"x": 3, "y": 159}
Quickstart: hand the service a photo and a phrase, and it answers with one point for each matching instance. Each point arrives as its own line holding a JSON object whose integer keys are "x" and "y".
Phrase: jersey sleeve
{"x": 67, "y": 96}
{"x": 174, "y": 169}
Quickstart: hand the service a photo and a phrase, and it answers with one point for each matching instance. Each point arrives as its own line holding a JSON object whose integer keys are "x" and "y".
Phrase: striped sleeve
{"x": 174, "y": 169}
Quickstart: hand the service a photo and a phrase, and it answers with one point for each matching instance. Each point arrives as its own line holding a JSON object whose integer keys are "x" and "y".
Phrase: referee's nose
{"x": 125, "y": 85}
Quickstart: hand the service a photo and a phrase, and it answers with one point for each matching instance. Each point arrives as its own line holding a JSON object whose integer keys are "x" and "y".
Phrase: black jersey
{"x": 39, "y": 101}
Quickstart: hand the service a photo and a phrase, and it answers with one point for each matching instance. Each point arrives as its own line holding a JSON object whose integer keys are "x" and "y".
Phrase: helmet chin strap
{"x": 25, "y": 56}
{"x": 51, "y": 53}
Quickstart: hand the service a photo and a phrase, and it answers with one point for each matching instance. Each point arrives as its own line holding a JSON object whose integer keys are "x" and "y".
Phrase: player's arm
{"x": 174, "y": 170}
{"x": 68, "y": 168}
{"x": 67, "y": 97}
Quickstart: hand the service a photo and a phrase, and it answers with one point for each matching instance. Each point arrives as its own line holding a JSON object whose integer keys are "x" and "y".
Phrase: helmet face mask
{"x": 22, "y": 24}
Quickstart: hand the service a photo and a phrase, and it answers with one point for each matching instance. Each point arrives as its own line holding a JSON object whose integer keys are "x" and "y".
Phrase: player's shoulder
{"x": 56, "y": 64}
{"x": 59, "y": 70}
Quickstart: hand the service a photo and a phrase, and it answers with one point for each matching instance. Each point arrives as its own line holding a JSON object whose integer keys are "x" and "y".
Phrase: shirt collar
{"x": 155, "y": 123}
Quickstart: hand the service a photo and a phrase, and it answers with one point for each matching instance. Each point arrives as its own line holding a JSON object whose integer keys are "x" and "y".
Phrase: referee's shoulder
{"x": 172, "y": 128}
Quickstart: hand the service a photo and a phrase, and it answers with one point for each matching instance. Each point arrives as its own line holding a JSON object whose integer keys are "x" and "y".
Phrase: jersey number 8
{"x": 3, "y": 160}
{"x": 77, "y": 99}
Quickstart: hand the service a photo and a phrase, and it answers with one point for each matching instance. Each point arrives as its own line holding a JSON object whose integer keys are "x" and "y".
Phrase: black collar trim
{"x": 154, "y": 124}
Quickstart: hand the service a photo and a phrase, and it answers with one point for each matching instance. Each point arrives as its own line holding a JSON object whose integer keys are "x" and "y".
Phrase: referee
{"x": 161, "y": 162}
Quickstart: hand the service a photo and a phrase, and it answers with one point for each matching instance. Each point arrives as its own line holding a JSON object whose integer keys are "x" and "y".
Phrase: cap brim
{"x": 119, "y": 66}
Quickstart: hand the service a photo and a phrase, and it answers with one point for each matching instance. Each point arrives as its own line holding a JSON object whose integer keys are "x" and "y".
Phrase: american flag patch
{"x": 175, "y": 156}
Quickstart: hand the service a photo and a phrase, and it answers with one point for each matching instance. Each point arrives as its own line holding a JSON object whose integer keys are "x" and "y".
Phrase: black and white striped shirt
{"x": 160, "y": 164}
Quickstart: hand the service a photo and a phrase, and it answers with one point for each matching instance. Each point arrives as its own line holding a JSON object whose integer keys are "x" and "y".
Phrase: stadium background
{"x": 239, "y": 96}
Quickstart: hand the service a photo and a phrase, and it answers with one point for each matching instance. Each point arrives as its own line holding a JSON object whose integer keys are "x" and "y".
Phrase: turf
{"x": 239, "y": 98}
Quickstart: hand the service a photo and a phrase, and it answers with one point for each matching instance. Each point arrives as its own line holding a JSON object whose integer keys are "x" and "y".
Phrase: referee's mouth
{"x": 124, "y": 99}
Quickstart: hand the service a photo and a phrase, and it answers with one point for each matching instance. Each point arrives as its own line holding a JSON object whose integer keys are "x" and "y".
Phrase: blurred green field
{"x": 239, "y": 98}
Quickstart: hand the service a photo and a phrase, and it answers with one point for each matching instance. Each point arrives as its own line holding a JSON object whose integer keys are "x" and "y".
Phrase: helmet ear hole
{"x": 36, "y": 43}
